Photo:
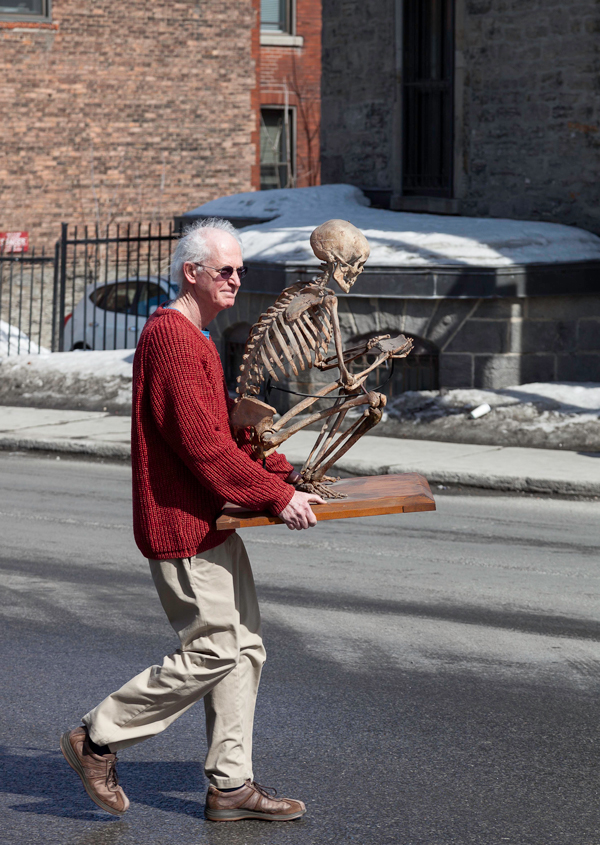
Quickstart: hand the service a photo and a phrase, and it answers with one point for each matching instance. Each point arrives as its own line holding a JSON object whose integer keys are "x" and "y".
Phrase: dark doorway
{"x": 233, "y": 351}
{"x": 418, "y": 371}
{"x": 428, "y": 75}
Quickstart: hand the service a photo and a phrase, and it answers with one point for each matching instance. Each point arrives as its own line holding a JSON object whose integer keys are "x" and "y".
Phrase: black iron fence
{"x": 94, "y": 292}
{"x": 27, "y": 297}
{"x": 109, "y": 282}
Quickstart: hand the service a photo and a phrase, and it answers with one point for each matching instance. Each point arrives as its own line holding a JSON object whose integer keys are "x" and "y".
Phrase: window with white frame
{"x": 277, "y": 16}
{"x": 24, "y": 10}
{"x": 277, "y": 164}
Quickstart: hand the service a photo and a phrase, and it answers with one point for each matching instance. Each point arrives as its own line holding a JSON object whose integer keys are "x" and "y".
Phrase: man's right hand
{"x": 298, "y": 514}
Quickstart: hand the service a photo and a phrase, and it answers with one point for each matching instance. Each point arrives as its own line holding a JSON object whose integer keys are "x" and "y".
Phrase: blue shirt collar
{"x": 204, "y": 332}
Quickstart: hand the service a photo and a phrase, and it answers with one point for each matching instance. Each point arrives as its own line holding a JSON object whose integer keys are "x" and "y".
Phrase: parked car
{"x": 112, "y": 315}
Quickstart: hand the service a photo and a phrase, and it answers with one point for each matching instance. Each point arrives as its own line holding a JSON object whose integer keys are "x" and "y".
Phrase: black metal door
{"x": 428, "y": 73}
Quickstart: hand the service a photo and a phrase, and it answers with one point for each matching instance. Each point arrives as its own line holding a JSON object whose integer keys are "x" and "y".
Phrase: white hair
{"x": 193, "y": 245}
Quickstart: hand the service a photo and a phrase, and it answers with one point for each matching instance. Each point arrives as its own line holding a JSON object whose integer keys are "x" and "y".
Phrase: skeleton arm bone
{"x": 345, "y": 377}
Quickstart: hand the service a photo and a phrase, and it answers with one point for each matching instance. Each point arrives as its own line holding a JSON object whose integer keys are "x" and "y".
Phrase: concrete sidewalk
{"x": 491, "y": 467}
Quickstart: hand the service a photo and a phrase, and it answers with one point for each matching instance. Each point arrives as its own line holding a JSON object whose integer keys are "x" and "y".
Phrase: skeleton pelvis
{"x": 251, "y": 413}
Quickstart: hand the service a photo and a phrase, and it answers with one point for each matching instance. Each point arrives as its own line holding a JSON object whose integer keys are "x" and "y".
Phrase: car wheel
{"x": 80, "y": 345}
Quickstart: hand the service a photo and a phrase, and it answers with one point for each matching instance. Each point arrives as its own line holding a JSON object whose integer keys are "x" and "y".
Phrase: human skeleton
{"x": 294, "y": 335}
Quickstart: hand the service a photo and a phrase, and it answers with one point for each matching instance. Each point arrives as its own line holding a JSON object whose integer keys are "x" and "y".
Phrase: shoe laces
{"x": 265, "y": 791}
{"x": 112, "y": 779}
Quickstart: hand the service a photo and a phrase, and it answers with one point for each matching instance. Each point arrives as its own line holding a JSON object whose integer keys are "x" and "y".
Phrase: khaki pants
{"x": 210, "y": 601}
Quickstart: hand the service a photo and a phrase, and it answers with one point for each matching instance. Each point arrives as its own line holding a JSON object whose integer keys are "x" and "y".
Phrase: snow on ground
{"x": 80, "y": 363}
{"x": 89, "y": 380}
{"x": 14, "y": 342}
{"x": 577, "y": 400}
{"x": 396, "y": 238}
{"x": 562, "y": 415}
{"x": 550, "y": 415}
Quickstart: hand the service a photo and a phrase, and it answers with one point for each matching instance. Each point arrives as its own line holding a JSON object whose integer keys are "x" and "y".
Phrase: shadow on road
{"x": 45, "y": 776}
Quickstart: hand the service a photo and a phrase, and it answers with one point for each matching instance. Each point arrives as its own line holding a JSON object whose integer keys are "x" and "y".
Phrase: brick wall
{"x": 124, "y": 112}
{"x": 298, "y": 69}
{"x": 532, "y": 110}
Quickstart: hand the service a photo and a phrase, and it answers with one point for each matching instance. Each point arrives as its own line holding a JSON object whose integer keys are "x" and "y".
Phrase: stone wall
{"x": 527, "y": 128}
{"x": 484, "y": 343}
{"x": 124, "y": 112}
{"x": 357, "y": 92}
{"x": 532, "y": 110}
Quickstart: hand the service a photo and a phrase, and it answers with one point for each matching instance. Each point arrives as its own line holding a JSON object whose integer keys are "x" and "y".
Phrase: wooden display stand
{"x": 370, "y": 495}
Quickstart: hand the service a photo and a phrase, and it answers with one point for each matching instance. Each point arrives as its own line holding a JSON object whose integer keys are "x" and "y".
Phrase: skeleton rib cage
{"x": 281, "y": 345}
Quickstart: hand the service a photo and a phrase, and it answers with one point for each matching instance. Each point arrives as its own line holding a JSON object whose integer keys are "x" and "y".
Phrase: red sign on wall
{"x": 14, "y": 241}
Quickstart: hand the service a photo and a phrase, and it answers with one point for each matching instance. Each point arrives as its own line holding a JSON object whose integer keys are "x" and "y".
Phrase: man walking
{"x": 186, "y": 465}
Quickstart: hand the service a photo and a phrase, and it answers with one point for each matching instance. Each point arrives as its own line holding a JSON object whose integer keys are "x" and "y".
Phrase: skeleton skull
{"x": 343, "y": 247}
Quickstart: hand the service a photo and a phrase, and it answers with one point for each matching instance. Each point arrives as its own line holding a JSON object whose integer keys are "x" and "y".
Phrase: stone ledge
{"x": 280, "y": 39}
{"x": 576, "y": 278}
{"x": 27, "y": 25}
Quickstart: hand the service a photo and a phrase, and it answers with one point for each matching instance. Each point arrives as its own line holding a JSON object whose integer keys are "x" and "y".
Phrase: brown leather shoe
{"x": 250, "y": 801}
{"x": 98, "y": 773}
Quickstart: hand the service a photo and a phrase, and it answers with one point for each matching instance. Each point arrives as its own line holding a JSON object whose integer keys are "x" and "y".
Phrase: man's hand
{"x": 298, "y": 514}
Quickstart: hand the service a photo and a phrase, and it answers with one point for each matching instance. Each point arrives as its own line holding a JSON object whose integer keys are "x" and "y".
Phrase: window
{"x": 25, "y": 9}
{"x": 277, "y": 164}
{"x": 276, "y": 16}
{"x": 121, "y": 297}
{"x": 428, "y": 49}
{"x": 116, "y": 297}
{"x": 418, "y": 371}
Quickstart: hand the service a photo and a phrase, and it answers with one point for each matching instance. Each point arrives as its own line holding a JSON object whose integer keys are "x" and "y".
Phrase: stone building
{"x": 477, "y": 107}
{"x": 483, "y": 108}
{"x": 117, "y": 111}
{"x": 471, "y": 327}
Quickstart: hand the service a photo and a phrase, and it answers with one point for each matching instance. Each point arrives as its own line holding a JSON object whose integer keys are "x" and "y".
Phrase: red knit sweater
{"x": 185, "y": 462}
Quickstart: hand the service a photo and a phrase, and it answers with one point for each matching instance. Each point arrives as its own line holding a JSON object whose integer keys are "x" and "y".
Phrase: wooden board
{"x": 370, "y": 495}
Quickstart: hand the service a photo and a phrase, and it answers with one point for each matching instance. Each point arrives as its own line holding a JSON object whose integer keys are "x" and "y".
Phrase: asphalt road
{"x": 432, "y": 678}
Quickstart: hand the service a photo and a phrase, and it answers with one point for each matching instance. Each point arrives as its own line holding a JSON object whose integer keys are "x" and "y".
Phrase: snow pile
{"x": 581, "y": 399}
{"x": 549, "y": 415}
{"x": 397, "y": 239}
{"x": 90, "y": 380}
{"x": 13, "y": 341}
{"x": 562, "y": 415}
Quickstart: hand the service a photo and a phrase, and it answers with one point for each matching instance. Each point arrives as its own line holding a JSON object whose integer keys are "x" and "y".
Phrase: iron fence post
{"x": 63, "y": 285}
{"x": 54, "y": 340}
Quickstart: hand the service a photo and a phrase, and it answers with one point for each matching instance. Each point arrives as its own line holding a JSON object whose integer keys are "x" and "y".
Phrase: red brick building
{"x": 287, "y": 48}
{"x": 115, "y": 112}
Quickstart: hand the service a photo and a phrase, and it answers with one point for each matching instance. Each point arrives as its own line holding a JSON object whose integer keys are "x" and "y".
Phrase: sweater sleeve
{"x": 181, "y": 398}
{"x": 276, "y": 464}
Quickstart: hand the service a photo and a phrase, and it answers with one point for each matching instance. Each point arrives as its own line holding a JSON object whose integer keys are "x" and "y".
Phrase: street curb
{"x": 101, "y": 449}
{"x": 473, "y": 479}
{"x": 122, "y": 451}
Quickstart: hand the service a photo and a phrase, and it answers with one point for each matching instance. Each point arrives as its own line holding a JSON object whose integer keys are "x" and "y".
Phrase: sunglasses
{"x": 225, "y": 272}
